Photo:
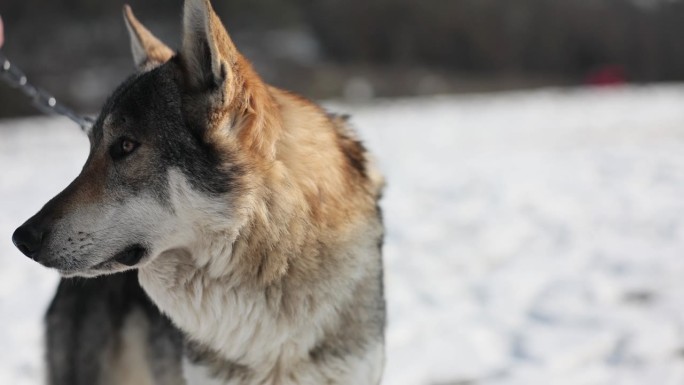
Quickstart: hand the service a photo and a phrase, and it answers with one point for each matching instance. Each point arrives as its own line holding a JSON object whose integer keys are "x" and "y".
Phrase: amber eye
{"x": 127, "y": 146}
{"x": 122, "y": 148}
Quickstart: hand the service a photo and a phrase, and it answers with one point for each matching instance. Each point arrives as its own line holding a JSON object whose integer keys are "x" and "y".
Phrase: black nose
{"x": 28, "y": 240}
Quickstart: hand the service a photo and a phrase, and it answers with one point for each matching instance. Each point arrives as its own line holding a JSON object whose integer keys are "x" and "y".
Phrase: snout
{"x": 28, "y": 238}
{"x": 78, "y": 235}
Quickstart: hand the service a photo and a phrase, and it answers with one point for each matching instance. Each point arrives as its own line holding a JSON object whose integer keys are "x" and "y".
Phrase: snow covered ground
{"x": 533, "y": 238}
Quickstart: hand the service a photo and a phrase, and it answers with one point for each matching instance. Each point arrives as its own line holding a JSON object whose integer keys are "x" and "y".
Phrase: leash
{"x": 40, "y": 99}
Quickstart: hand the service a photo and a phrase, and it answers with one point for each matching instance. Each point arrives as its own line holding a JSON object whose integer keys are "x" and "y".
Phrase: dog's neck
{"x": 238, "y": 297}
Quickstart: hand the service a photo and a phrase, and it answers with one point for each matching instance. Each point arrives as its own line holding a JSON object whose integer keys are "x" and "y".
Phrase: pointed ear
{"x": 148, "y": 51}
{"x": 208, "y": 53}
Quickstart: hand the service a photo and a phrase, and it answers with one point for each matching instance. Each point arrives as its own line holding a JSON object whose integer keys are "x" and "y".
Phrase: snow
{"x": 532, "y": 237}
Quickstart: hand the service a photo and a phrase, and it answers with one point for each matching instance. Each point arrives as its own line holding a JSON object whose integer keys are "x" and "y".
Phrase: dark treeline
{"x": 566, "y": 37}
{"x": 78, "y": 47}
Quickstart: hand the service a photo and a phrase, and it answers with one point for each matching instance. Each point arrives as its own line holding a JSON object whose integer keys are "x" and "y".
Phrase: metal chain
{"x": 40, "y": 99}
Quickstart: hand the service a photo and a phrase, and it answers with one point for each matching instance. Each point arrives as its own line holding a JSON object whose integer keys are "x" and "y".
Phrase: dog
{"x": 248, "y": 215}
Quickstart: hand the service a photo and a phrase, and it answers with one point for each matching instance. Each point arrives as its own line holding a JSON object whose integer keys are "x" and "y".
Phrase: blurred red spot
{"x": 609, "y": 75}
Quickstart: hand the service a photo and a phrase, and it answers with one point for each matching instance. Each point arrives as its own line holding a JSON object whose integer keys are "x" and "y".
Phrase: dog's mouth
{"x": 131, "y": 255}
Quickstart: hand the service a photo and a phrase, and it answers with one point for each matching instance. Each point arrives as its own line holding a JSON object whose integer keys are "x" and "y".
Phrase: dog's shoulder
{"x": 327, "y": 139}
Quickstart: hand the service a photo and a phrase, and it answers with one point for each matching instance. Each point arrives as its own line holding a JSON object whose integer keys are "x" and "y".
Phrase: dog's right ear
{"x": 148, "y": 51}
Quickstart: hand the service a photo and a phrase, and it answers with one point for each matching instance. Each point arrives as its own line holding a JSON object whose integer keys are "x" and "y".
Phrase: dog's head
{"x": 165, "y": 151}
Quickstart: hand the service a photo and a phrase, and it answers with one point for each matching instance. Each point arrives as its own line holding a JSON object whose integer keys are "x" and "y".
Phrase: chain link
{"x": 40, "y": 99}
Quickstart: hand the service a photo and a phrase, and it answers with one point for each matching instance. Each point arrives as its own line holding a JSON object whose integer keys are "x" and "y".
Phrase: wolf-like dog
{"x": 248, "y": 213}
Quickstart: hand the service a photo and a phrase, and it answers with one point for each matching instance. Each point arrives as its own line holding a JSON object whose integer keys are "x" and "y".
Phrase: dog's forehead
{"x": 108, "y": 112}
{"x": 138, "y": 98}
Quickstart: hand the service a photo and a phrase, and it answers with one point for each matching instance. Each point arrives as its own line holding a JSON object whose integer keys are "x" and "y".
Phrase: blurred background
{"x": 363, "y": 48}
{"x": 534, "y": 153}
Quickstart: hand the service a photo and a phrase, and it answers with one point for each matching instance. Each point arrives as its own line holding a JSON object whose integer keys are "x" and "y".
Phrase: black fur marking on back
{"x": 353, "y": 150}
{"x": 355, "y": 157}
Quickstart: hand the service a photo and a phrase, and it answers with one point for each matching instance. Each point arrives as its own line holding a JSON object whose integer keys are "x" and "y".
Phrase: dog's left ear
{"x": 148, "y": 51}
{"x": 220, "y": 83}
{"x": 208, "y": 54}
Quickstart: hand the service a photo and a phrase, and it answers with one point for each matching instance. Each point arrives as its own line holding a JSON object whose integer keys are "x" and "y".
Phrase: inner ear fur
{"x": 148, "y": 51}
